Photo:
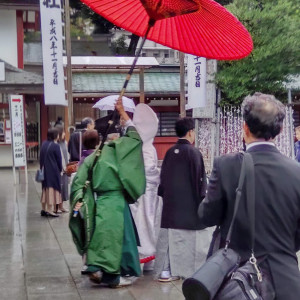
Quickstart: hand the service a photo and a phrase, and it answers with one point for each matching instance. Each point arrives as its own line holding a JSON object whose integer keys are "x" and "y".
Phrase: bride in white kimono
{"x": 147, "y": 210}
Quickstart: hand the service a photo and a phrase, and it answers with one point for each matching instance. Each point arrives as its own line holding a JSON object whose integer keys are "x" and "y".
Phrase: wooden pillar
{"x": 20, "y": 38}
{"x": 43, "y": 119}
{"x": 142, "y": 85}
{"x": 69, "y": 115}
{"x": 182, "y": 86}
{"x": 37, "y": 21}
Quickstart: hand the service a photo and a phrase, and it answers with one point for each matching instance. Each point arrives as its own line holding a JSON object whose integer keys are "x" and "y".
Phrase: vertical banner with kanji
{"x": 17, "y": 130}
{"x": 196, "y": 76}
{"x": 51, "y": 28}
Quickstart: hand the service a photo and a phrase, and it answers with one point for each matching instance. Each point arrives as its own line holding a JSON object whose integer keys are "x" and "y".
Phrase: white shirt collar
{"x": 259, "y": 143}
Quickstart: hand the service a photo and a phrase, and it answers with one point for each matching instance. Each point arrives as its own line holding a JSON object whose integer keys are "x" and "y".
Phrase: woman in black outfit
{"x": 51, "y": 161}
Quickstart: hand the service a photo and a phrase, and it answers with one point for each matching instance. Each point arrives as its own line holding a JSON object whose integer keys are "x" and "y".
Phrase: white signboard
{"x": 208, "y": 111}
{"x": 196, "y": 76}
{"x": 17, "y": 130}
{"x": 2, "y": 71}
{"x": 51, "y": 28}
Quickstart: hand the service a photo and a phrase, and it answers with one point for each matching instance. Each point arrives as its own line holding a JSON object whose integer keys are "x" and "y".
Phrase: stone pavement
{"x": 38, "y": 259}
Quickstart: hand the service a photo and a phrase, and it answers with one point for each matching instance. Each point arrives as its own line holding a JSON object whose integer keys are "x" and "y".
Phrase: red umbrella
{"x": 199, "y": 27}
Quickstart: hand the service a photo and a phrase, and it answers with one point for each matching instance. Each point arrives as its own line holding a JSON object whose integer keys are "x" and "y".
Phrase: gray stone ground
{"x": 38, "y": 259}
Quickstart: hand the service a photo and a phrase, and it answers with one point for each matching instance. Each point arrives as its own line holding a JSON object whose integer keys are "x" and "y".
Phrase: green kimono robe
{"x": 106, "y": 231}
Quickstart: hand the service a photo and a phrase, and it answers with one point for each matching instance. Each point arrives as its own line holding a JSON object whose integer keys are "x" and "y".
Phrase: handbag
{"x": 244, "y": 284}
{"x": 71, "y": 168}
{"x": 39, "y": 175}
{"x": 224, "y": 279}
{"x": 205, "y": 282}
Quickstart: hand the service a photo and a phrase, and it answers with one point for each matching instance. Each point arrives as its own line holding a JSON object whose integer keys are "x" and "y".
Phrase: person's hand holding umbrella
{"x": 120, "y": 109}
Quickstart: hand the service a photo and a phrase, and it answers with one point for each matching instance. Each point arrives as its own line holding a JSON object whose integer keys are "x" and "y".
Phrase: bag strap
{"x": 237, "y": 199}
{"x": 90, "y": 172}
{"x": 250, "y": 192}
{"x": 89, "y": 178}
{"x": 112, "y": 121}
{"x": 246, "y": 170}
{"x": 251, "y": 211}
{"x": 46, "y": 153}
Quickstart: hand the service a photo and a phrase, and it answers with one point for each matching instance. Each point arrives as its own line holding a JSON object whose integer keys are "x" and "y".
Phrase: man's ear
{"x": 246, "y": 132}
{"x": 246, "y": 129}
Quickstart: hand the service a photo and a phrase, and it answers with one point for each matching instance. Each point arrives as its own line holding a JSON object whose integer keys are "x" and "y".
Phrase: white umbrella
{"x": 108, "y": 103}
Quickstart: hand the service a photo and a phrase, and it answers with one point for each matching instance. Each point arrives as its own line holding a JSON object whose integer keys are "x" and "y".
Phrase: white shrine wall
{"x": 8, "y": 37}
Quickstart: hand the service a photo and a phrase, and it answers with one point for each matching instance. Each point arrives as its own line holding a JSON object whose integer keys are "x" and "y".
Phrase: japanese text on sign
{"x": 17, "y": 131}
{"x": 196, "y": 73}
{"x": 51, "y": 28}
{"x": 51, "y": 3}
{"x": 53, "y": 47}
{"x": 197, "y": 64}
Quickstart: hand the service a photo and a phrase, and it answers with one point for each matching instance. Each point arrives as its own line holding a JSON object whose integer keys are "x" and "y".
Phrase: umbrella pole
{"x": 150, "y": 24}
{"x": 114, "y": 115}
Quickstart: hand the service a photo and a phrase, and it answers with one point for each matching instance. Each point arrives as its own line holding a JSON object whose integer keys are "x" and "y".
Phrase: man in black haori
{"x": 182, "y": 245}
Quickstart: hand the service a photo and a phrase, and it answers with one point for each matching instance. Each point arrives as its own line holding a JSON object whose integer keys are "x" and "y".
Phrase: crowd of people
{"x": 134, "y": 217}
{"x": 55, "y": 155}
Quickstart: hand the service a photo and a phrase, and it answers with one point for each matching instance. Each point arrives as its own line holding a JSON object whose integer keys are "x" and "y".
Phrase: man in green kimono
{"x": 105, "y": 230}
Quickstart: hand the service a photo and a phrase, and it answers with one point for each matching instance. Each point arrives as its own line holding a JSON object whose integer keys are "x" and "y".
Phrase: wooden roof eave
{"x": 12, "y": 6}
{"x": 78, "y": 94}
{"x": 22, "y": 89}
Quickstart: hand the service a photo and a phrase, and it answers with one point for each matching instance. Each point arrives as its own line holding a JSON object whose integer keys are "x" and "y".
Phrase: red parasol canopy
{"x": 199, "y": 27}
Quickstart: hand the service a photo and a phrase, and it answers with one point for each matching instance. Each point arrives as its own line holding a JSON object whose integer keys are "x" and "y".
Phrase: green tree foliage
{"x": 275, "y": 29}
{"x": 81, "y": 10}
{"x": 119, "y": 46}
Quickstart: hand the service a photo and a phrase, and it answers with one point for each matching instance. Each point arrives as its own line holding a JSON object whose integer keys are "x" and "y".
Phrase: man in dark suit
{"x": 277, "y": 197}
{"x": 181, "y": 246}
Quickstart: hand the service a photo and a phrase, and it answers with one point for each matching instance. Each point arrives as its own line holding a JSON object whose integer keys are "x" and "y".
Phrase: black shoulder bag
{"x": 221, "y": 277}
